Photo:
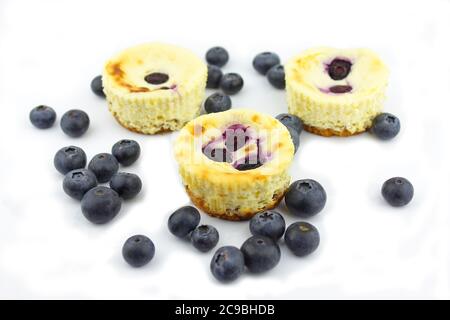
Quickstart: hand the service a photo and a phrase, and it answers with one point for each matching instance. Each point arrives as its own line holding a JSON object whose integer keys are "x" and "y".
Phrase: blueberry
{"x": 183, "y": 221}
{"x": 295, "y": 137}
{"x": 156, "y": 78}
{"x": 214, "y": 76}
{"x": 269, "y": 224}
{"x": 291, "y": 121}
{"x": 217, "y": 102}
{"x": 75, "y": 123}
{"x": 302, "y": 238}
{"x": 104, "y": 166}
{"x": 385, "y": 126}
{"x": 42, "y": 117}
{"x": 204, "y": 237}
{"x": 339, "y": 69}
{"x": 231, "y": 83}
{"x": 97, "y": 86}
{"x": 127, "y": 185}
{"x": 264, "y": 61}
{"x": 248, "y": 166}
{"x": 100, "y": 205}
{"x": 397, "y": 191}
{"x": 217, "y": 56}
{"x": 69, "y": 158}
{"x": 126, "y": 151}
{"x": 305, "y": 198}
{"x": 340, "y": 89}
{"x": 276, "y": 76}
{"x": 260, "y": 254}
{"x": 227, "y": 264}
{"x": 79, "y": 181}
{"x": 138, "y": 250}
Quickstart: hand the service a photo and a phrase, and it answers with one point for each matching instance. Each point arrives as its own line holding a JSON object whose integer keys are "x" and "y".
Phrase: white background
{"x": 50, "y": 51}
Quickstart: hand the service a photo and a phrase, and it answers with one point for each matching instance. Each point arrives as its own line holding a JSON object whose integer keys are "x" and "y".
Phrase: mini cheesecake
{"x": 154, "y": 87}
{"x": 336, "y": 91}
{"x": 234, "y": 164}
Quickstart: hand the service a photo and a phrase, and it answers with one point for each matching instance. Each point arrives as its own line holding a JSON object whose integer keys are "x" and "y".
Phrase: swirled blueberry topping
{"x": 227, "y": 148}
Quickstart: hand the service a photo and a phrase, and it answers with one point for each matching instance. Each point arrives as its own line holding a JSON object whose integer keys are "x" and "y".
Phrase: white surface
{"x": 50, "y": 51}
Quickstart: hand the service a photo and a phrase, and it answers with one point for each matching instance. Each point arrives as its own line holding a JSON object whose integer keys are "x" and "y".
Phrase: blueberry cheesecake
{"x": 154, "y": 87}
{"x": 336, "y": 92}
{"x": 235, "y": 163}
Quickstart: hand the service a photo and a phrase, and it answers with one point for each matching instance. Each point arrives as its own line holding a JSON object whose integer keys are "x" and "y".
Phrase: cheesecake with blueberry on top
{"x": 154, "y": 87}
{"x": 235, "y": 163}
{"x": 336, "y": 92}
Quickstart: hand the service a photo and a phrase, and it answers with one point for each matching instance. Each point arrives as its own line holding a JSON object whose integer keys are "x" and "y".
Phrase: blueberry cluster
{"x": 229, "y": 83}
{"x": 99, "y": 204}
{"x": 261, "y": 252}
{"x": 184, "y": 224}
{"x": 269, "y": 64}
{"x": 74, "y": 122}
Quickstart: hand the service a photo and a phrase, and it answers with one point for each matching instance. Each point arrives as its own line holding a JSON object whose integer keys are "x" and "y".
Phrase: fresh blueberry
{"x": 79, "y": 181}
{"x": 295, "y": 136}
{"x": 69, "y": 158}
{"x": 42, "y": 117}
{"x": 127, "y": 185}
{"x": 183, "y": 221}
{"x": 217, "y": 102}
{"x": 385, "y": 126}
{"x": 264, "y": 61}
{"x": 302, "y": 238}
{"x": 104, "y": 166}
{"x": 305, "y": 198}
{"x": 100, "y": 205}
{"x": 397, "y": 191}
{"x": 291, "y": 121}
{"x": 260, "y": 254}
{"x": 339, "y": 69}
{"x": 214, "y": 76}
{"x": 204, "y": 237}
{"x": 227, "y": 264}
{"x": 126, "y": 151}
{"x": 276, "y": 76}
{"x": 269, "y": 224}
{"x": 231, "y": 83}
{"x": 138, "y": 250}
{"x": 75, "y": 123}
{"x": 217, "y": 56}
{"x": 97, "y": 86}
